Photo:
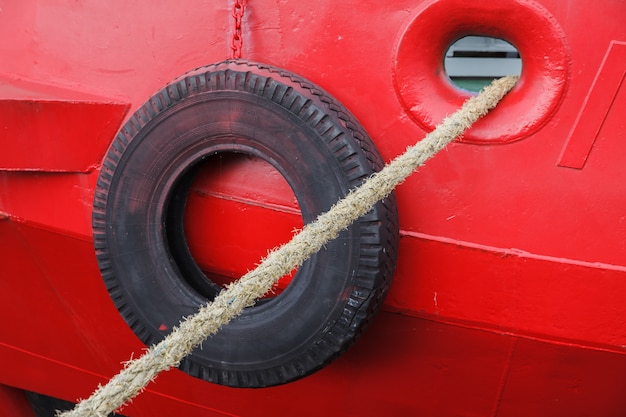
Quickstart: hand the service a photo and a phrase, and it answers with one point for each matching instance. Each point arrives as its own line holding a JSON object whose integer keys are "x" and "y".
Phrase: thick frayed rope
{"x": 243, "y": 293}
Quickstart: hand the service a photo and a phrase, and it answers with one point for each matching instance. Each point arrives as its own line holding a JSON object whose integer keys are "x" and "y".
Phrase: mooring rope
{"x": 231, "y": 301}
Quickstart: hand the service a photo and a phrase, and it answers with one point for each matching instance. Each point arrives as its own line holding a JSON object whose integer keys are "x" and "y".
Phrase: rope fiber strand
{"x": 193, "y": 330}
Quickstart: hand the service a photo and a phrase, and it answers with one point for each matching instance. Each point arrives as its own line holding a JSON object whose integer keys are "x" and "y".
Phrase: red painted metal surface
{"x": 596, "y": 108}
{"x": 51, "y": 129}
{"x": 426, "y": 92}
{"x": 13, "y": 402}
{"x": 240, "y": 206}
{"x": 508, "y": 295}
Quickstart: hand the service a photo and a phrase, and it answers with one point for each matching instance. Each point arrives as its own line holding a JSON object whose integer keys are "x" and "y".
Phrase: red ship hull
{"x": 508, "y": 294}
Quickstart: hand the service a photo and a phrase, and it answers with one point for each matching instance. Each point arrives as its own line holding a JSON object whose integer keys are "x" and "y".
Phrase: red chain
{"x": 237, "y": 39}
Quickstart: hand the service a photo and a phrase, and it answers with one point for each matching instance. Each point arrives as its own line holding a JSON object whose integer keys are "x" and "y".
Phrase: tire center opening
{"x": 234, "y": 207}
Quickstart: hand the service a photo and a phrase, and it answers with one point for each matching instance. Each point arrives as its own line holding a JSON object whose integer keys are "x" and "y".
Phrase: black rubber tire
{"x": 320, "y": 149}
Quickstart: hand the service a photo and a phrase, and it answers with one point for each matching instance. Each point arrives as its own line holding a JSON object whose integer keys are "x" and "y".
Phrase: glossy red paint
{"x": 239, "y": 207}
{"x": 13, "y": 402}
{"x": 508, "y": 295}
{"x": 52, "y": 129}
{"x": 597, "y": 106}
{"x": 427, "y": 93}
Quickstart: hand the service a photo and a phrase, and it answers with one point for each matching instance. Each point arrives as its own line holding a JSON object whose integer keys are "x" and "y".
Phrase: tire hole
{"x": 237, "y": 208}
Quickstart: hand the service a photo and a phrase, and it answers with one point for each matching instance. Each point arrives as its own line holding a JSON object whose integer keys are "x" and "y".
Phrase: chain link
{"x": 237, "y": 39}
